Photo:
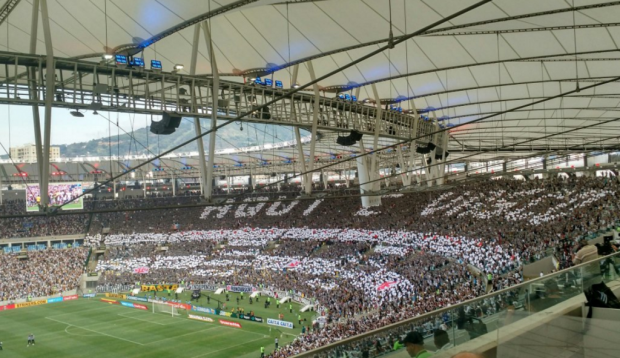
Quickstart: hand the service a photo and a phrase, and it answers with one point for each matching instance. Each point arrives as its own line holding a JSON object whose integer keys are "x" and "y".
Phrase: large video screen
{"x": 59, "y": 194}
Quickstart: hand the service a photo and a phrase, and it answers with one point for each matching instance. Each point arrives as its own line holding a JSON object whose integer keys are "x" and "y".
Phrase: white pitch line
{"x": 79, "y": 335}
{"x": 140, "y": 319}
{"x": 223, "y": 349}
{"x": 83, "y": 311}
{"x": 182, "y": 335}
{"x": 86, "y": 329}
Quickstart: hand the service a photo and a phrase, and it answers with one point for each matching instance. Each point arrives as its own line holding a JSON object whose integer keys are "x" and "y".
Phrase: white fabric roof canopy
{"x": 469, "y": 67}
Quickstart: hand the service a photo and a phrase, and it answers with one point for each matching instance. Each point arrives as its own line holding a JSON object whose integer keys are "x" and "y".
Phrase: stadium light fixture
{"x": 177, "y": 68}
{"x": 77, "y": 113}
{"x": 296, "y": 85}
{"x": 108, "y": 56}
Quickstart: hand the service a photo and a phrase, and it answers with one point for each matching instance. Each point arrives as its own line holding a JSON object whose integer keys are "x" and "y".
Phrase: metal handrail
{"x": 439, "y": 311}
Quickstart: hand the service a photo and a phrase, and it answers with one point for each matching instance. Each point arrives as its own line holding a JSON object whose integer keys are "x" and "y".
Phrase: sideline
{"x": 124, "y": 315}
{"x": 185, "y": 334}
{"x": 223, "y": 349}
{"x": 101, "y": 333}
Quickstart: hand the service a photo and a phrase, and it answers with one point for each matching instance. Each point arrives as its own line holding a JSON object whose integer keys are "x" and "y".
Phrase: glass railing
{"x": 471, "y": 319}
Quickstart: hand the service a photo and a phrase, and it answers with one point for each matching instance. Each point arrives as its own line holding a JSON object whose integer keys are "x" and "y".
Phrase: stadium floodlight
{"x": 296, "y": 85}
{"x": 108, "y": 56}
{"x": 177, "y": 68}
{"x": 77, "y": 113}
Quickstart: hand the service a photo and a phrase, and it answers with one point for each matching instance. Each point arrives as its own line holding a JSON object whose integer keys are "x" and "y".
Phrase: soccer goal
{"x": 161, "y": 307}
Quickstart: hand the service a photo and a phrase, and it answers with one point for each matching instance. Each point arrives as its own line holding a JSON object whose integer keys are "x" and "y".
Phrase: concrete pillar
{"x": 405, "y": 177}
{"x": 315, "y": 121}
{"x": 202, "y": 163}
{"x": 50, "y": 84}
{"x": 325, "y": 179}
{"x": 429, "y": 161}
{"x": 143, "y": 184}
{"x": 214, "y": 109}
{"x": 366, "y": 175}
{"x": 174, "y": 185}
{"x": 585, "y": 160}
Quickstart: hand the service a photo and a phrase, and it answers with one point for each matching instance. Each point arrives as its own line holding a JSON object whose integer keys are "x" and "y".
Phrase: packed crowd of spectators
{"x": 364, "y": 267}
{"x": 43, "y": 273}
{"x": 355, "y": 287}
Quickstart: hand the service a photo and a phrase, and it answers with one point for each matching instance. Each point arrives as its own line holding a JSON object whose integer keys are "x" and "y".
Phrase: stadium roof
{"x": 500, "y": 56}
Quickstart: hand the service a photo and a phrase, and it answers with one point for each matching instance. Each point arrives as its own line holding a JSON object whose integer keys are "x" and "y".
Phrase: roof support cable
{"x": 499, "y": 76}
{"x": 407, "y": 61}
{"x": 391, "y": 35}
{"x": 293, "y": 91}
{"x": 105, "y": 14}
{"x": 542, "y": 83}
{"x": 288, "y": 42}
{"x": 8, "y": 107}
{"x": 575, "y": 43}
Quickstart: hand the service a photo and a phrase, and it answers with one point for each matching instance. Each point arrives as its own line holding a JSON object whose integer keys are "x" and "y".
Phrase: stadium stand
{"x": 365, "y": 269}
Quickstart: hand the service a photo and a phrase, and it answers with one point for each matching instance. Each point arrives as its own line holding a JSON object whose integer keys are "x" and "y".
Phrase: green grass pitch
{"x": 91, "y": 328}
{"x": 74, "y": 205}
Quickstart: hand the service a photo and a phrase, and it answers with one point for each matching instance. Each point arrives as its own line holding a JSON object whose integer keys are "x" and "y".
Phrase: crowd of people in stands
{"x": 355, "y": 287}
{"x": 364, "y": 267}
{"x": 43, "y": 273}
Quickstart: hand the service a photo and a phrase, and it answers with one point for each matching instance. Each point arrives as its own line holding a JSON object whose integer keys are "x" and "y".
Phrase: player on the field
{"x": 30, "y": 340}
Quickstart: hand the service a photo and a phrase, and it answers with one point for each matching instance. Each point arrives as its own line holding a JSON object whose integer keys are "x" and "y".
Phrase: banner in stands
{"x": 203, "y": 287}
{"x": 89, "y": 295}
{"x": 276, "y": 322}
{"x": 116, "y": 295}
{"x": 386, "y": 285}
{"x": 7, "y": 307}
{"x": 240, "y": 288}
{"x": 70, "y": 297}
{"x": 250, "y": 318}
{"x": 136, "y": 298}
{"x": 54, "y": 299}
{"x": 230, "y": 324}
{"x": 32, "y": 303}
{"x": 148, "y": 288}
{"x": 203, "y": 309}
{"x": 112, "y": 302}
{"x": 200, "y": 318}
{"x": 225, "y": 314}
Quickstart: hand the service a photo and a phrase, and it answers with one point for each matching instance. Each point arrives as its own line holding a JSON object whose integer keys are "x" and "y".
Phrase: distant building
{"x": 28, "y": 153}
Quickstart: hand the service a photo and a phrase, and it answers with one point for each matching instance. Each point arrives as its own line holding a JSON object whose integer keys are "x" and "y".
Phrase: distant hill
{"x": 228, "y": 137}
